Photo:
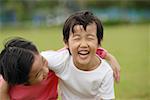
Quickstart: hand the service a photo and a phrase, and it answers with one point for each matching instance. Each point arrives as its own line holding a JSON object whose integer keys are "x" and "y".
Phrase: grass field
{"x": 128, "y": 43}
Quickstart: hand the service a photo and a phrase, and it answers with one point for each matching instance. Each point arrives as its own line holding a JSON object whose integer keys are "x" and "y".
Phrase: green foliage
{"x": 128, "y": 43}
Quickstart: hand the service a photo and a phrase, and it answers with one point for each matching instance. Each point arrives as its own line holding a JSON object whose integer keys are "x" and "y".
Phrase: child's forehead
{"x": 78, "y": 28}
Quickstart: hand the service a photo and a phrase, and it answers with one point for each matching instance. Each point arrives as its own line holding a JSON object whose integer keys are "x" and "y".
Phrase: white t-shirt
{"x": 76, "y": 84}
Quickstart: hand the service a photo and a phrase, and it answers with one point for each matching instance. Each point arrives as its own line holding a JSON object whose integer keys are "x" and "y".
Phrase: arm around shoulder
{"x": 56, "y": 60}
{"x": 114, "y": 65}
{"x": 112, "y": 61}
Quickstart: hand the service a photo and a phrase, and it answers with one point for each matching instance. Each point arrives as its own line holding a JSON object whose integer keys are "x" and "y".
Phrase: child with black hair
{"x": 26, "y": 72}
{"x": 83, "y": 74}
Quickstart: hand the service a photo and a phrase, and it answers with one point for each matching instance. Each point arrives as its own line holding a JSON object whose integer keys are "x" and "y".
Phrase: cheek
{"x": 94, "y": 43}
{"x": 37, "y": 80}
{"x": 94, "y": 46}
{"x": 73, "y": 49}
{"x": 72, "y": 46}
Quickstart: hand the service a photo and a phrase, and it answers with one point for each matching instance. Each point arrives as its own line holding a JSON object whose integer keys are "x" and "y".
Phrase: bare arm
{"x": 115, "y": 66}
{"x": 4, "y": 90}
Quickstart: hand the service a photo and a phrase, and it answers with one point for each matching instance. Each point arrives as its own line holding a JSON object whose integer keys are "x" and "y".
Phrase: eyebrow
{"x": 37, "y": 73}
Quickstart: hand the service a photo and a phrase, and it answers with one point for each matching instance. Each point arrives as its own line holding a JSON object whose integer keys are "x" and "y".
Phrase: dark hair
{"x": 16, "y": 60}
{"x": 82, "y": 18}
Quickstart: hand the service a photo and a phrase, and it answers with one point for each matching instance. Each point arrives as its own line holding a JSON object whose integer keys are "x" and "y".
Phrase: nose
{"x": 45, "y": 62}
{"x": 83, "y": 43}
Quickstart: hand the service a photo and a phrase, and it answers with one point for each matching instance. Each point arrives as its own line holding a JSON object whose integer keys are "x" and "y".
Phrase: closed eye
{"x": 37, "y": 74}
{"x": 76, "y": 37}
{"x": 90, "y": 37}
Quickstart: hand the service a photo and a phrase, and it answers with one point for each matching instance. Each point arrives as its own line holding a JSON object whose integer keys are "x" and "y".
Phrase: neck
{"x": 90, "y": 66}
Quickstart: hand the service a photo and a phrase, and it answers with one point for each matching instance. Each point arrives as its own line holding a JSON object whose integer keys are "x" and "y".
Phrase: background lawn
{"x": 128, "y": 43}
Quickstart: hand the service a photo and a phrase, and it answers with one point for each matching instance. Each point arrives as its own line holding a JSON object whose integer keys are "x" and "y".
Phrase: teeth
{"x": 83, "y": 52}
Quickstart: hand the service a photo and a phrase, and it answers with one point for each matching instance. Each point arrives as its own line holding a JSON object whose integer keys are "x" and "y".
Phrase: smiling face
{"x": 39, "y": 70}
{"x": 83, "y": 45}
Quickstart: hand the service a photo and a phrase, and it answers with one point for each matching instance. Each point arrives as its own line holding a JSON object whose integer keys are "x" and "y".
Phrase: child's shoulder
{"x": 106, "y": 66}
{"x": 52, "y": 52}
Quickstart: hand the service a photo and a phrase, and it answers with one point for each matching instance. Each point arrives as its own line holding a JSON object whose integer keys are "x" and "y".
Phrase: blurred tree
{"x": 15, "y": 11}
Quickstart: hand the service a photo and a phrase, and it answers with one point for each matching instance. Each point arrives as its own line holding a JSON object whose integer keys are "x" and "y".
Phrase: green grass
{"x": 128, "y": 43}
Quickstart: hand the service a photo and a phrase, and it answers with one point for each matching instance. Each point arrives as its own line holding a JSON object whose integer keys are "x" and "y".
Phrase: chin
{"x": 84, "y": 62}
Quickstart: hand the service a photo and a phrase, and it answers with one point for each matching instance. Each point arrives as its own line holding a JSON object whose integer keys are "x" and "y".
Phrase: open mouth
{"x": 83, "y": 54}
